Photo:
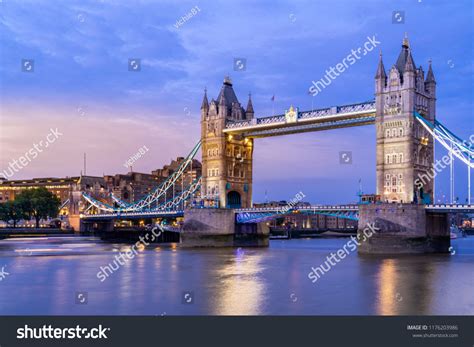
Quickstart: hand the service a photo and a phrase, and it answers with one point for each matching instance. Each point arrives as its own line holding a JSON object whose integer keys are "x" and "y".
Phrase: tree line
{"x": 31, "y": 204}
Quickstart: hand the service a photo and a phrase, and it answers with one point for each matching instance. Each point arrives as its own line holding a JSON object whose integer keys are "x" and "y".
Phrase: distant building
{"x": 132, "y": 186}
{"x": 61, "y": 187}
{"x": 129, "y": 187}
{"x": 192, "y": 173}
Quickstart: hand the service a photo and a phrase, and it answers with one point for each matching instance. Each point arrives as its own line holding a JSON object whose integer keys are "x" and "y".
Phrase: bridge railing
{"x": 461, "y": 206}
{"x": 302, "y": 208}
{"x": 352, "y": 108}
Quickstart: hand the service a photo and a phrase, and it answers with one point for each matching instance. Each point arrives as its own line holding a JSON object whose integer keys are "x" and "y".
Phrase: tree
{"x": 39, "y": 203}
{"x": 12, "y": 212}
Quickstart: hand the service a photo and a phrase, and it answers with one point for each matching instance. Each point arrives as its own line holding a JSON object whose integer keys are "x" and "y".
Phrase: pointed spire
{"x": 205, "y": 103}
{"x": 410, "y": 64}
{"x": 227, "y": 80}
{"x": 249, "y": 105}
{"x": 430, "y": 76}
{"x": 405, "y": 43}
{"x": 227, "y": 95}
{"x": 403, "y": 57}
{"x": 381, "y": 69}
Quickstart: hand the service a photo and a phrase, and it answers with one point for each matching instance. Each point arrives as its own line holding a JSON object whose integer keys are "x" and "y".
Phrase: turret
{"x": 249, "y": 113}
{"x": 430, "y": 83}
{"x": 380, "y": 76}
{"x": 204, "y": 105}
{"x": 409, "y": 73}
{"x": 430, "y": 87}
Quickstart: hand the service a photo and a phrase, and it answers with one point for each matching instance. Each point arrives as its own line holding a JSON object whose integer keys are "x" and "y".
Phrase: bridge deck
{"x": 315, "y": 120}
{"x": 441, "y": 208}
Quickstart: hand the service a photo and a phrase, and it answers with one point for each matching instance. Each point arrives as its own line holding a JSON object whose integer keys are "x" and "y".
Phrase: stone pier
{"x": 216, "y": 227}
{"x": 403, "y": 229}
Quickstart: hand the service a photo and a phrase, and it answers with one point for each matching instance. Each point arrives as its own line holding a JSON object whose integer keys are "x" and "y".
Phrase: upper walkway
{"x": 298, "y": 122}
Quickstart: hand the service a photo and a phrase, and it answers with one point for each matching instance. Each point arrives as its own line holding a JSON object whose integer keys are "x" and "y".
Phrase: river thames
{"x": 58, "y": 276}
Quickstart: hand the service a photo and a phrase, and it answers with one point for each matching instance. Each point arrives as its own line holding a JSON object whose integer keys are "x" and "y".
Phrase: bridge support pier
{"x": 75, "y": 222}
{"x": 216, "y": 227}
{"x": 402, "y": 229}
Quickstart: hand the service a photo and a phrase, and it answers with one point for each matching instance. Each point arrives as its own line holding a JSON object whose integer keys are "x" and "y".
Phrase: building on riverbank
{"x": 128, "y": 187}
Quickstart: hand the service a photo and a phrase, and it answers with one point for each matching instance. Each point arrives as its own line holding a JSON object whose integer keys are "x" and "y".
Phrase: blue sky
{"x": 81, "y": 83}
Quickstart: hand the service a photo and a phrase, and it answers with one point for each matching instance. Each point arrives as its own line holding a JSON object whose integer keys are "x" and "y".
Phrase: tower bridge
{"x": 404, "y": 114}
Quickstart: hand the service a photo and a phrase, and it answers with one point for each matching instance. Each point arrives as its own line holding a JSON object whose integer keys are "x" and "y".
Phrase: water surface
{"x": 46, "y": 275}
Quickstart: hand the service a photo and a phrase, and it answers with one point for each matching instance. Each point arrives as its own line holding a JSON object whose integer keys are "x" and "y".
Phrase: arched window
{"x": 400, "y": 132}
{"x": 387, "y": 158}
{"x": 387, "y": 133}
{"x": 394, "y": 132}
{"x": 400, "y": 157}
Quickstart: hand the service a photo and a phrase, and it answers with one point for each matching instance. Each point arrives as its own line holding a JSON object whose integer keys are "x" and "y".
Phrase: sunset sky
{"x": 81, "y": 84}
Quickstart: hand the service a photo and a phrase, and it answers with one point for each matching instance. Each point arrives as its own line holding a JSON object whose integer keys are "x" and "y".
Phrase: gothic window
{"x": 387, "y": 158}
{"x": 394, "y": 184}
{"x": 400, "y": 132}
{"x": 400, "y": 157}
{"x": 394, "y": 132}
{"x": 387, "y": 133}
{"x": 400, "y": 181}
{"x": 394, "y": 158}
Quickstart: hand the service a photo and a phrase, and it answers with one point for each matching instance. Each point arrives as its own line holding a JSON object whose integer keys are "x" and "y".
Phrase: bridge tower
{"x": 226, "y": 159}
{"x": 405, "y": 150}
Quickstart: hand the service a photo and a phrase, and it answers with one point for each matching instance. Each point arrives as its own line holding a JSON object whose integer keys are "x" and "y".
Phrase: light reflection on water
{"x": 45, "y": 275}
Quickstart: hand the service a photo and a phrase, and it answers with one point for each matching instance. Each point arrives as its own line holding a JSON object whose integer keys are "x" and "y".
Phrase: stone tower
{"x": 226, "y": 159}
{"x": 405, "y": 149}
